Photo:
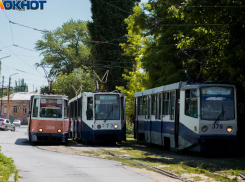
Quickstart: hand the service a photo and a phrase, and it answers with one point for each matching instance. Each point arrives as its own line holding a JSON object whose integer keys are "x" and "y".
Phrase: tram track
{"x": 242, "y": 175}
{"x": 161, "y": 171}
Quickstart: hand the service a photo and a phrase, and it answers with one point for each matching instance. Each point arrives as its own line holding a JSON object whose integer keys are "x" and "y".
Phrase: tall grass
{"x": 7, "y": 168}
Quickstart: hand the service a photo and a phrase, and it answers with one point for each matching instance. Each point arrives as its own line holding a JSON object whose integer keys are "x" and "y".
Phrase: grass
{"x": 7, "y": 168}
{"x": 190, "y": 166}
{"x": 195, "y": 167}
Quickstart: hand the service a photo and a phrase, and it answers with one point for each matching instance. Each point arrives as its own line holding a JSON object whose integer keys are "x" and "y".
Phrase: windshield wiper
{"x": 219, "y": 117}
{"x": 109, "y": 114}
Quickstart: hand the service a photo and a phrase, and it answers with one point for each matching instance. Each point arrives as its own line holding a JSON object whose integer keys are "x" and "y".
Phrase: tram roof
{"x": 50, "y": 96}
{"x": 179, "y": 85}
{"x": 93, "y": 93}
{"x": 173, "y": 86}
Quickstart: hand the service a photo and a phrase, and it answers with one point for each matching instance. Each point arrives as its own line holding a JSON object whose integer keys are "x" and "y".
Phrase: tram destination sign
{"x": 216, "y": 91}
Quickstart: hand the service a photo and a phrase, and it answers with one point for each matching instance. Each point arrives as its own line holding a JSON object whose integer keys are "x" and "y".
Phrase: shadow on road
{"x": 22, "y": 141}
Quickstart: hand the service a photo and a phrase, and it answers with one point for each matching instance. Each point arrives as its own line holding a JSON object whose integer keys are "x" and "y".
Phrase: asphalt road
{"x": 38, "y": 165}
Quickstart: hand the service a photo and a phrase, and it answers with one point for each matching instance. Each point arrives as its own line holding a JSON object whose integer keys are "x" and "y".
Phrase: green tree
{"x": 221, "y": 34}
{"x": 21, "y": 86}
{"x": 80, "y": 76}
{"x": 109, "y": 29}
{"x": 155, "y": 43}
{"x": 5, "y": 92}
{"x": 66, "y": 47}
{"x": 44, "y": 89}
{"x": 136, "y": 81}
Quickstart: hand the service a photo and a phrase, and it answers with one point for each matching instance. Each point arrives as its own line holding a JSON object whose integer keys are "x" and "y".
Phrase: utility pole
{"x": 2, "y": 98}
{"x": 7, "y": 117}
{"x": 1, "y": 64}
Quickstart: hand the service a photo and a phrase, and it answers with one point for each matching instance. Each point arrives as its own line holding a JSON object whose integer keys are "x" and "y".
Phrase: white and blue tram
{"x": 97, "y": 116}
{"x": 181, "y": 116}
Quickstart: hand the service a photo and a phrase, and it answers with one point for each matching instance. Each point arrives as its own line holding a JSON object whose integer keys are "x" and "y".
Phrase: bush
{"x": 130, "y": 129}
{"x": 7, "y": 167}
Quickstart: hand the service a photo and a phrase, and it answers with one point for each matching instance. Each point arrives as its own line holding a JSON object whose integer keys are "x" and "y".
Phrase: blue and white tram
{"x": 195, "y": 117}
{"x": 97, "y": 116}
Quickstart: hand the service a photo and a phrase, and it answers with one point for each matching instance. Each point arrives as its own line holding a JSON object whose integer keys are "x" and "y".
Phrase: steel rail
{"x": 161, "y": 171}
{"x": 242, "y": 175}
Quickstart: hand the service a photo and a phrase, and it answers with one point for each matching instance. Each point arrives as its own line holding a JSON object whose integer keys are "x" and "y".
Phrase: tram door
{"x": 147, "y": 123}
{"x": 136, "y": 136}
{"x": 158, "y": 130}
{"x": 176, "y": 125}
{"x": 29, "y": 118}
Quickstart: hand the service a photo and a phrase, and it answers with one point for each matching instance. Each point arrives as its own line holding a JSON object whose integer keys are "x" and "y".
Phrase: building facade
{"x": 19, "y": 104}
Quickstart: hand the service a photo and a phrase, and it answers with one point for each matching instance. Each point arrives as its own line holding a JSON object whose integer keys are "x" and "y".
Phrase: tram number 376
{"x": 217, "y": 126}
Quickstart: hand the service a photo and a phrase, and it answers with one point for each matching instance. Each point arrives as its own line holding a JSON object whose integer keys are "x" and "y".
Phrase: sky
{"x": 23, "y": 56}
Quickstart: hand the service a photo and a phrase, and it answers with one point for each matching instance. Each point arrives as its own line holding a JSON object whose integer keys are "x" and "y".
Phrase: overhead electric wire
{"x": 27, "y": 26}
{"x": 10, "y": 26}
{"x": 21, "y": 70}
{"x": 21, "y": 59}
{"x": 121, "y": 9}
{"x": 200, "y": 6}
{"x": 20, "y": 55}
{"x": 5, "y": 47}
{"x": 24, "y": 48}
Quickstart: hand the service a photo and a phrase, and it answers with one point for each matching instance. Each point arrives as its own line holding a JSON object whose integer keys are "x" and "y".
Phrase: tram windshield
{"x": 51, "y": 108}
{"x": 217, "y": 103}
{"x": 107, "y": 107}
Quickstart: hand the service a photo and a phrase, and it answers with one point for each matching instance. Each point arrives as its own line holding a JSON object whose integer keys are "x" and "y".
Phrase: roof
{"x": 169, "y": 87}
{"x": 20, "y": 96}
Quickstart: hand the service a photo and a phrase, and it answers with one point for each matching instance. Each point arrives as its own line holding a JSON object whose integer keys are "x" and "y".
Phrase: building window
{"x": 15, "y": 109}
{"x": 24, "y": 110}
{"x": 4, "y": 109}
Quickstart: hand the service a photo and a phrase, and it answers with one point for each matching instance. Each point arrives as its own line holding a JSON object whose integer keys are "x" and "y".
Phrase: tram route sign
{"x": 21, "y": 5}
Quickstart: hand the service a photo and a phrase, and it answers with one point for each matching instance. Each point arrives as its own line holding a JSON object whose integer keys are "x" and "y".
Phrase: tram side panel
{"x": 150, "y": 123}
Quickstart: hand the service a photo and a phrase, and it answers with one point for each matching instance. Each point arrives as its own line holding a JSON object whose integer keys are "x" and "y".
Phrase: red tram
{"x": 48, "y": 120}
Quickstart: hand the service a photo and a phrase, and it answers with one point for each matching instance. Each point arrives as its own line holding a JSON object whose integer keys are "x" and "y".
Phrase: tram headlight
{"x": 229, "y": 129}
{"x": 40, "y": 130}
{"x": 115, "y": 126}
{"x": 204, "y": 128}
{"x": 98, "y": 126}
{"x": 59, "y": 130}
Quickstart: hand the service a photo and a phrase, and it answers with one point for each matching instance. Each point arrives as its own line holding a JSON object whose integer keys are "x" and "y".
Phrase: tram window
{"x": 140, "y": 108}
{"x": 89, "y": 108}
{"x": 149, "y": 106}
{"x": 143, "y": 106}
{"x": 35, "y": 108}
{"x": 135, "y": 107}
{"x": 146, "y": 107}
{"x": 156, "y": 112}
{"x": 71, "y": 110}
{"x": 122, "y": 108}
{"x": 166, "y": 103}
{"x": 153, "y": 106}
{"x": 65, "y": 109}
{"x": 51, "y": 108}
{"x": 172, "y": 105}
{"x": 79, "y": 106}
{"x": 75, "y": 112}
{"x": 160, "y": 106}
{"x": 191, "y": 103}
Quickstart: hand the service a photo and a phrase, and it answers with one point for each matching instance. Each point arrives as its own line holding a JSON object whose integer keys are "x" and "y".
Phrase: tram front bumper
{"x": 35, "y": 137}
{"x": 212, "y": 144}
